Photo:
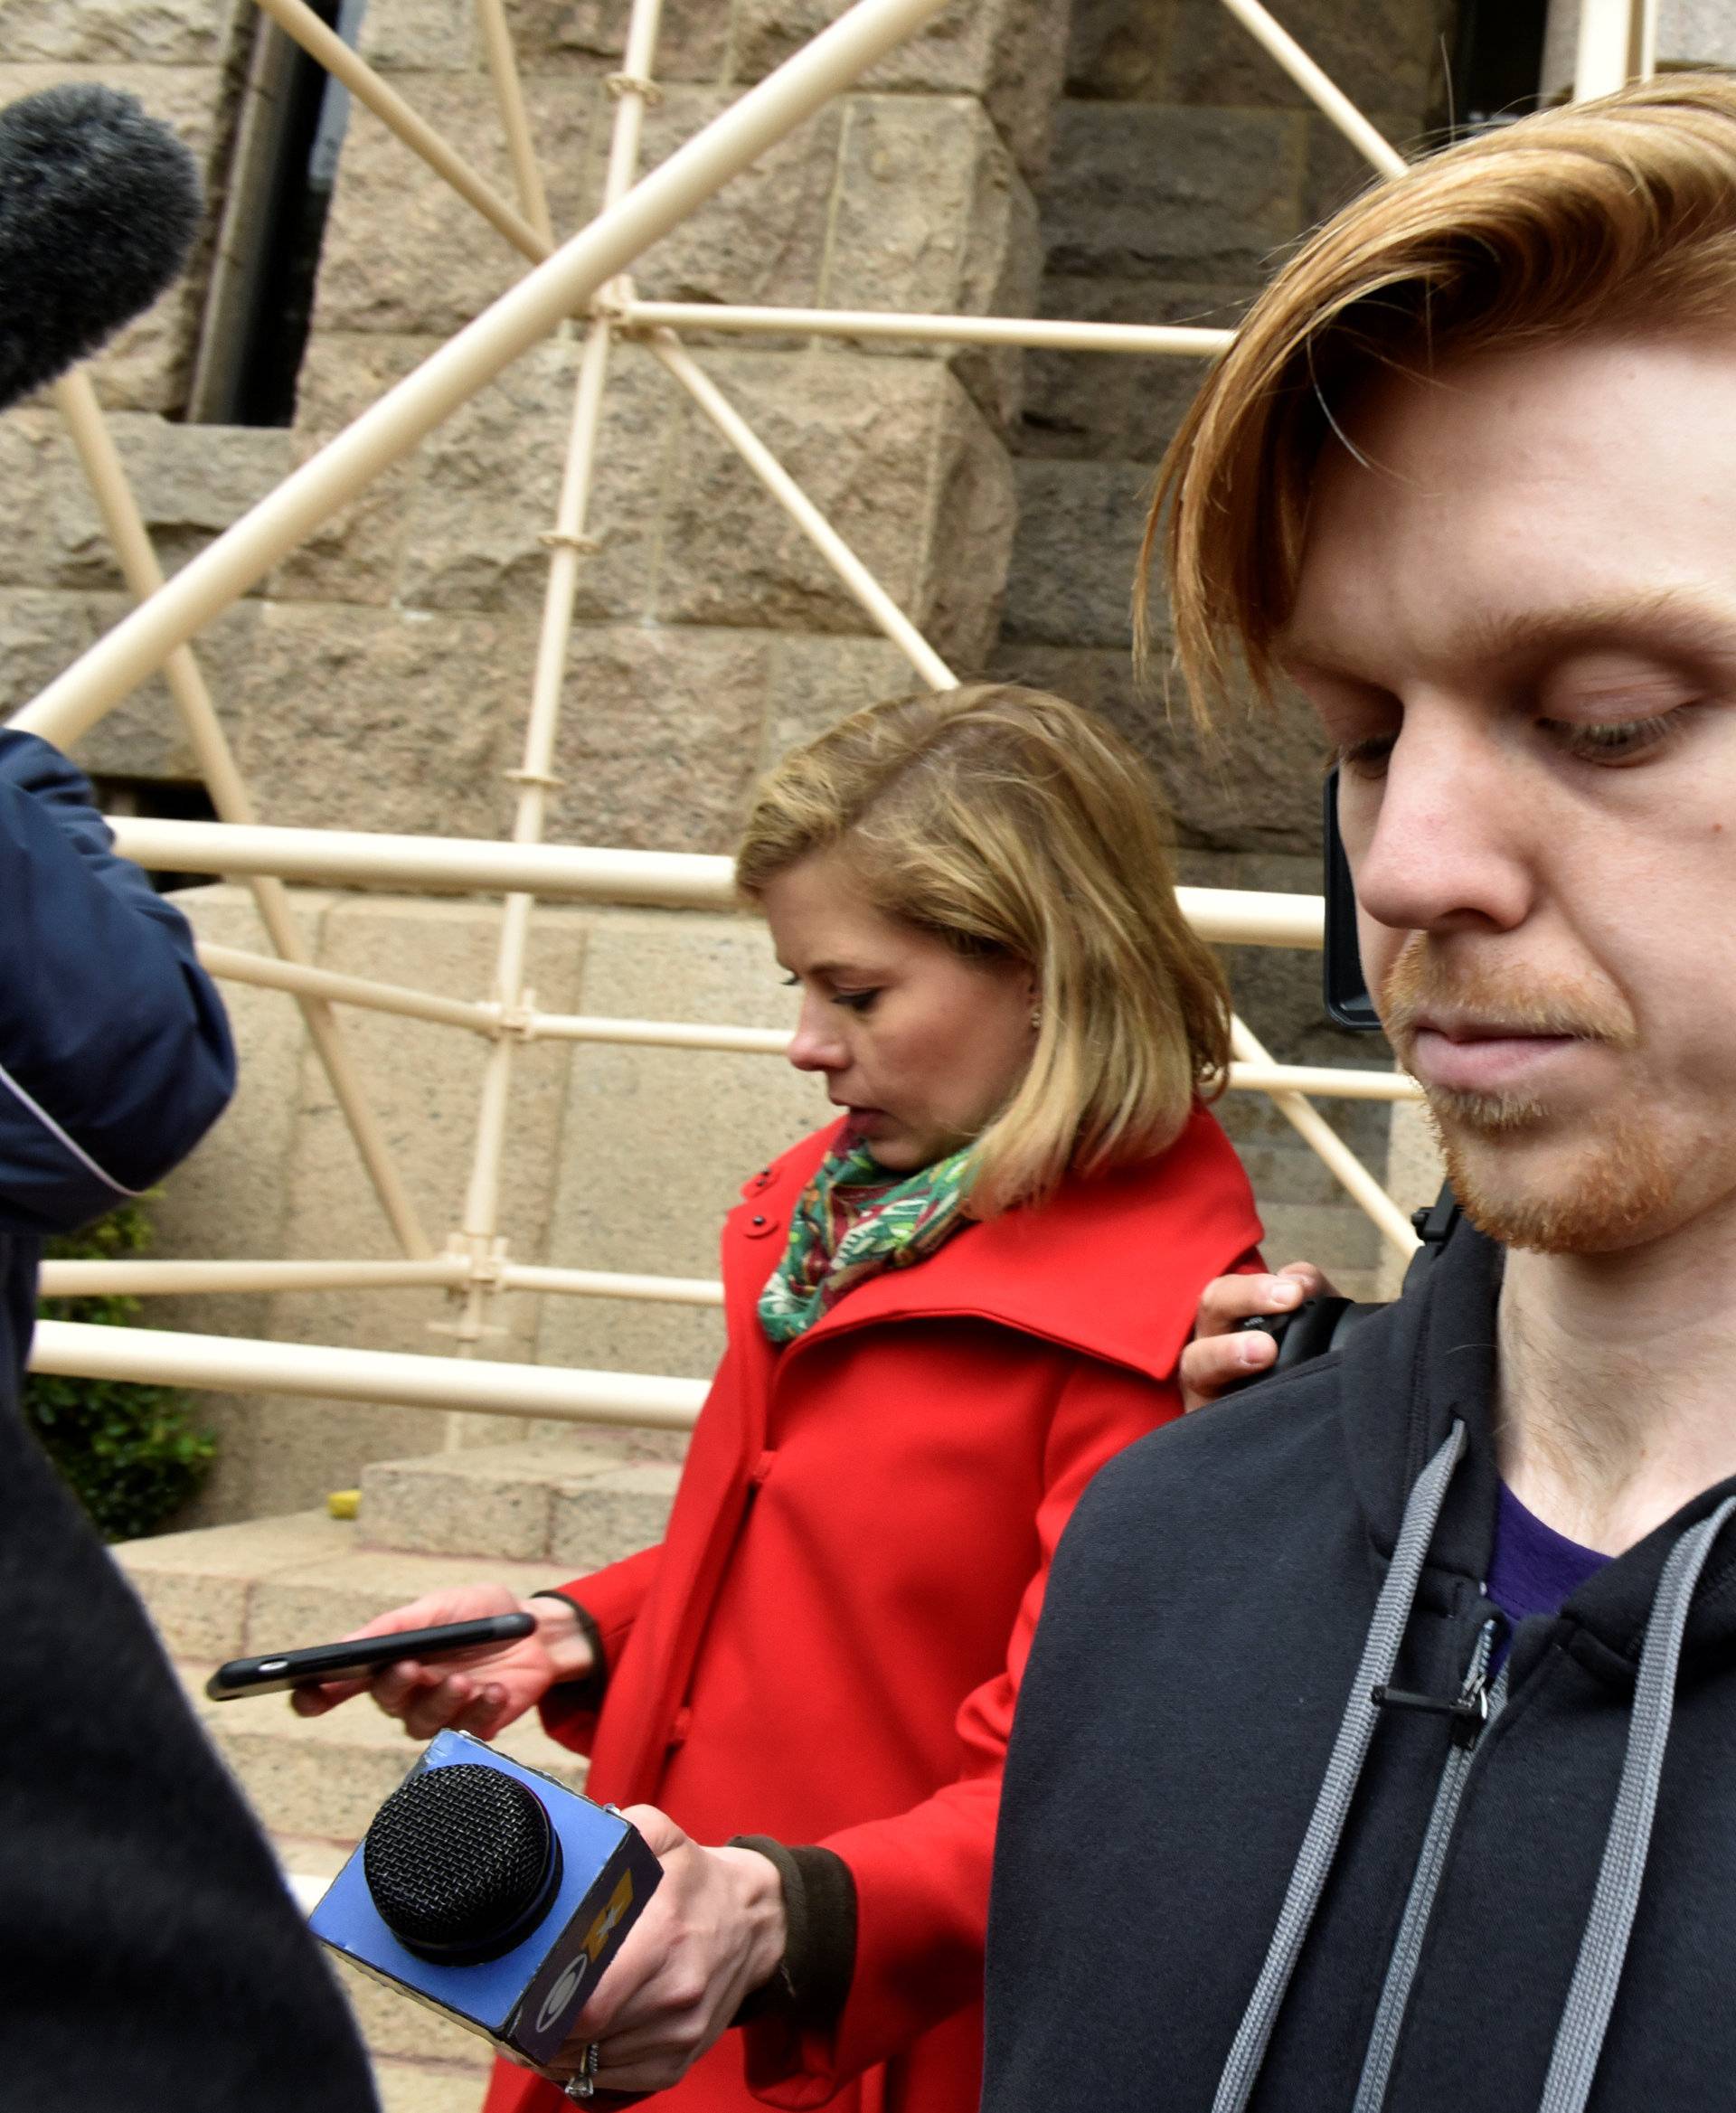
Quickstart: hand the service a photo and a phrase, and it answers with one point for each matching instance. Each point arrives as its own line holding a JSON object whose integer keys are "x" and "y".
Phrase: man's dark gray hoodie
{"x": 1228, "y": 1878}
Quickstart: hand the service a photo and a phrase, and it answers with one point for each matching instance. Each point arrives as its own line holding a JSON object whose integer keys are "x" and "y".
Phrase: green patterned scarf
{"x": 853, "y": 1221}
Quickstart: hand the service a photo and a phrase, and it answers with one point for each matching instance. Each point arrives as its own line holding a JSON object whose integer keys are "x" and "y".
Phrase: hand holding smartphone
{"x": 278, "y": 1671}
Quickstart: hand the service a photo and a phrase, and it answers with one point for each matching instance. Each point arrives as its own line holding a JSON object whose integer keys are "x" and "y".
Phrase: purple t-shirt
{"x": 1533, "y": 1569}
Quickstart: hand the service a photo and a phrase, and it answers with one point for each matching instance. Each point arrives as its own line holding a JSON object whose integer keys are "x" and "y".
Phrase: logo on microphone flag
{"x": 602, "y": 1928}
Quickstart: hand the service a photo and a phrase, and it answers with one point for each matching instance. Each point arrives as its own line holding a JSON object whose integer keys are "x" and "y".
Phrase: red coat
{"x": 827, "y": 1645}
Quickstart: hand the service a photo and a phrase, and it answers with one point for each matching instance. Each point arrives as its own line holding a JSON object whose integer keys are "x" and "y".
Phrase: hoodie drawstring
{"x": 1603, "y": 1947}
{"x": 1344, "y": 1770}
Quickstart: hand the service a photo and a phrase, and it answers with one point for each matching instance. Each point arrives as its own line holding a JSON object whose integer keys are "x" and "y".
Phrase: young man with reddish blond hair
{"x": 1378, "y": 1749}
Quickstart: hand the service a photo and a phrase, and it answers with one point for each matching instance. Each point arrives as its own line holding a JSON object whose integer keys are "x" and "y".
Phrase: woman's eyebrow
{"x": 834, "y": 971}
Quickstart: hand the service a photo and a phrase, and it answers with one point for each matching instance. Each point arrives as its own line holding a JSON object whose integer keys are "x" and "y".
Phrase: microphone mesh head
{"x": 458, "y": 1859}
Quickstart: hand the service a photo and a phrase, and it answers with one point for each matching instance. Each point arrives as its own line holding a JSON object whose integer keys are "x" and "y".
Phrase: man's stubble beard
{"x": 1615, "y": 1189}
{"x": 1606, "y": 1188}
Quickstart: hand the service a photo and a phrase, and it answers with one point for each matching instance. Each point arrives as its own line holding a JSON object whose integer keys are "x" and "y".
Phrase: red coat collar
{"x": 1094, "y": 1268}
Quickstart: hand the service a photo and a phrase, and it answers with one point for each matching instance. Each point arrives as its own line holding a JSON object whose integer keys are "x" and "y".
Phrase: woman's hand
{"x": 712, "y": 1933}
{"x": 1218, "y": 1359}
{"x": 481, "y": 1691}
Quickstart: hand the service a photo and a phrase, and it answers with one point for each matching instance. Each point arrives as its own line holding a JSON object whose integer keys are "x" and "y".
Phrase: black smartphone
{"x": 280, "y": 1670}
{"x": 1346, "y": 989}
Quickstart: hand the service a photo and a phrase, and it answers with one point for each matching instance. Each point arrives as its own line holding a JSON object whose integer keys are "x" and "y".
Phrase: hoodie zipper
{"x": 1477, "y": 1705}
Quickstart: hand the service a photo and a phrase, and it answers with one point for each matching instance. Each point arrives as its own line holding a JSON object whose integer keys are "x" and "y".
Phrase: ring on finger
{"x": 584, "y": 2085}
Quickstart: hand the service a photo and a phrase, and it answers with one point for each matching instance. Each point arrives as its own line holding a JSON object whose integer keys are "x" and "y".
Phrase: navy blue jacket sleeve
{"x": 115, "y": 1055}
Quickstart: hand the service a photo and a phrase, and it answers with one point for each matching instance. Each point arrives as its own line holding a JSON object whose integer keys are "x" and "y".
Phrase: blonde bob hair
{"x": 1617, "y": 214}
{"x": 1007, "y": 822}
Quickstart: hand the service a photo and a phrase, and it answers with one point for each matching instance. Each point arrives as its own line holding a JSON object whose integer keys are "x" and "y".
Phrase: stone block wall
{"x": 1184, "y": 163}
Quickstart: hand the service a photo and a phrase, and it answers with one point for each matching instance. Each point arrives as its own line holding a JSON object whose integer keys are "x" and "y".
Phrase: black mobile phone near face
{"x": 284, "y": 1669}
{"x": 1346, "y": 992}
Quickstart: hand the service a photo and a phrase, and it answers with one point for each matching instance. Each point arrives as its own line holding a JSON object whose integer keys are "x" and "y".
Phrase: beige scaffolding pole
{"x": 567, "y": 542}
{"x": 573, "y": 872}
{"x": 234, "y": 1365}
{"x": 1616, "y": 43}
{"x": 1322, "y": 91}
{"x": 1166, "y": 340}
{"x": 509, "y": 94}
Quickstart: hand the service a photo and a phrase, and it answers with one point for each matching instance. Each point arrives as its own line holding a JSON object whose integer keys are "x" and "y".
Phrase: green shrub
{"x": 131, "y": 1454}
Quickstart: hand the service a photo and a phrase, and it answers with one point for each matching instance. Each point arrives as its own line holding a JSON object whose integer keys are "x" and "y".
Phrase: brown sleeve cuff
{"x": 813, "y": 1979}
{"x": 586, "y": 1695}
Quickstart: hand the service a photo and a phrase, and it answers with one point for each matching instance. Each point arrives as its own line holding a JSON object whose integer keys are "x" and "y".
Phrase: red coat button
{"x": 761, "y": 1468}
{"x": 680, "y": 1725}
{"x": 759, "y": 1225}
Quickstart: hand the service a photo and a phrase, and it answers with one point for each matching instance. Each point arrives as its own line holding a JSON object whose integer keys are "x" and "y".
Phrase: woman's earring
{"x": 1036, "y": 1016}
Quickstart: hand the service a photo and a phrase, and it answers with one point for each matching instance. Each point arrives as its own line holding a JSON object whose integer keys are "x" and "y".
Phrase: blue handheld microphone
{"x": 491, "y": 1892}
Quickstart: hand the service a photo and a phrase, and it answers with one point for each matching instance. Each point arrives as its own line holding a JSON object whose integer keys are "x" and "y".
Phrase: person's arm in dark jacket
{"x": 155, "y": 1960}
{"x": 115, "y": 1055}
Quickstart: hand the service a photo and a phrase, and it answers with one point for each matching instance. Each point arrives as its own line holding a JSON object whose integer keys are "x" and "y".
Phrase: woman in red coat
{"x": 944, "y": 1311}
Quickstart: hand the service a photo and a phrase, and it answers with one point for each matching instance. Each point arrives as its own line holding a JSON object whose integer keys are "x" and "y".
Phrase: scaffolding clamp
{"x": 612, "y": 303}
{"x": 484, "y": 1256}
{"x": 484, "y": 1259}
{"x": 520, "y": 1021}
{"x": 639, "y": 84}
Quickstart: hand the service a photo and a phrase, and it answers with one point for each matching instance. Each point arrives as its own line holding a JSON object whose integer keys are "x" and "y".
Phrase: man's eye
{"x": 1623, "y": 741}
{"x": 792, "y": 983}
{"x": 858, "y": 1001}
{"x": 1367, "y": 757}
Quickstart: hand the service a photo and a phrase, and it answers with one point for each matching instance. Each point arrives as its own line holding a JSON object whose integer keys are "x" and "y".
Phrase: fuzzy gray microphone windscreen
{"x": 98, "y": 208}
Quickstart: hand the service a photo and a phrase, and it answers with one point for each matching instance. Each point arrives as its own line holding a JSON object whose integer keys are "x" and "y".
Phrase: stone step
{"x": 428, "y": 2087}
{"x": 578, "y": 1504}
